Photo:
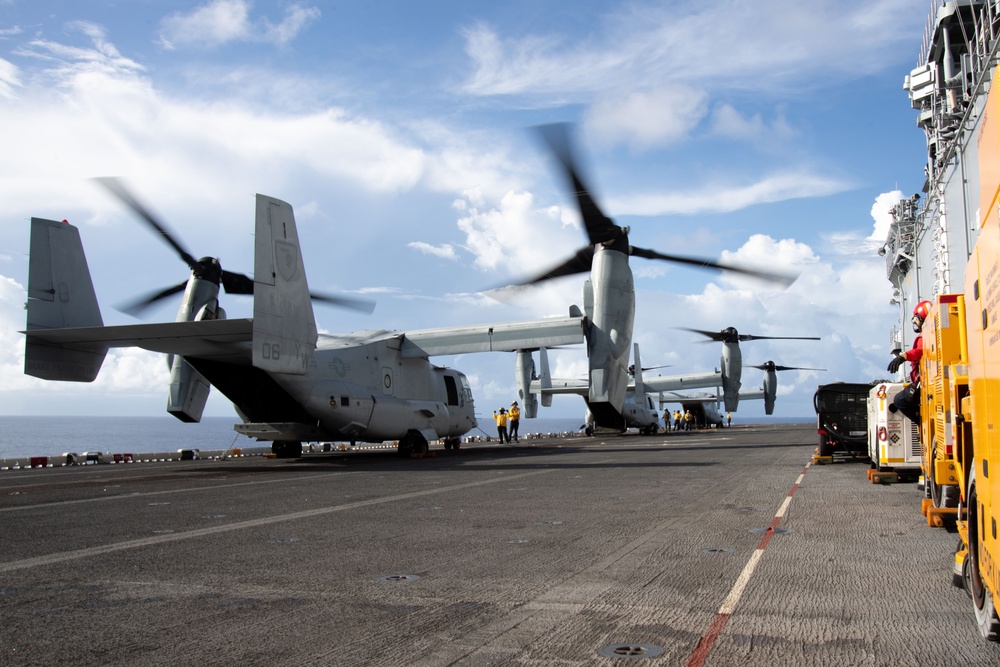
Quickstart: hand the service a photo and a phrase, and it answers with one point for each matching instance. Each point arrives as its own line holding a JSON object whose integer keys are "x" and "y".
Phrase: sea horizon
{"x": 24, "y": 436}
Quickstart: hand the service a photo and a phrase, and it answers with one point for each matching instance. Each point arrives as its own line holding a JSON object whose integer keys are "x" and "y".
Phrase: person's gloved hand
{"x": 896, "y": 362}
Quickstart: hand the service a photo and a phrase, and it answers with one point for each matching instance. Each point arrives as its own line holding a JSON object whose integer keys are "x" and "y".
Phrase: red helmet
{"x": 922, "y": 310}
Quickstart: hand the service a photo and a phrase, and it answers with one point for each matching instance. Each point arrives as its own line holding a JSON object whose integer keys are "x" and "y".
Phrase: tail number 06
{"x": 271, "y": 351}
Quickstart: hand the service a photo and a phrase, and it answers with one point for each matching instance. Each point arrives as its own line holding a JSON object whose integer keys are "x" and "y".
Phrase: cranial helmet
{"x": 920, "y": 313}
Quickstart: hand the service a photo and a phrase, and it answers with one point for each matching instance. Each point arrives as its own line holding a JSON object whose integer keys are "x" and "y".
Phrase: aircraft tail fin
{"x": 60, "y": 295}
{"x": 544, "y": 377}
{"x": 640, "y": 388}
{"x": 284, "y": 326}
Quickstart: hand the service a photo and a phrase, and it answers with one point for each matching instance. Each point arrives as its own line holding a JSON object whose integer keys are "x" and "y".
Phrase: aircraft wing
{"x": 682, "y": 382}
{"x": 223, "y": 340}
{"x": 576, "y": 387}
{"x": 671, "y": 397}
{"x": 504, "y": 337}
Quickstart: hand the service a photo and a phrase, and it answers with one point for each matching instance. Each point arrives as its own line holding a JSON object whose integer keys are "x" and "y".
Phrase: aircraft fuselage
{"x": 610, "y": 333}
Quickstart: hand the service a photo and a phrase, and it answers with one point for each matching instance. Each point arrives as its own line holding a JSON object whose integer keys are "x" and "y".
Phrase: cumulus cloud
{"x": 223, "y": 21}
{"x": 881, "y": 214}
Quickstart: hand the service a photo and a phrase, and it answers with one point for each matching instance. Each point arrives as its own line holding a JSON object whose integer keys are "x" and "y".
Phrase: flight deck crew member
{"x": 666, "y": 419}
{"x": 514, "y": 419}
{"x": 501, "y": 418}
{"x": 907, "y": 401}
{"x": 729, "y": 419}
{"x": 677, "y": 420}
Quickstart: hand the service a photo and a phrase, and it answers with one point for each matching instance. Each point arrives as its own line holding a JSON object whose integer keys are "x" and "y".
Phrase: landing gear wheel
{"x": 287, "y": 449}
{"x": 412, "y": 443}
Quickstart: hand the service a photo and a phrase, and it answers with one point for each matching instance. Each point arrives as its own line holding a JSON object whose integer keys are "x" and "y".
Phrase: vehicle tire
{"x": 942, "y": 496}
{"x": 983, "y": 605}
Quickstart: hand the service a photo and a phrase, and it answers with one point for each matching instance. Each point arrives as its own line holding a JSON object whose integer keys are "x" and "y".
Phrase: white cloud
{"x": 682, "y": 42}
{"x": 647, "y": 119}
{"x": 881, "y": 215}
{"x": 728, "y": 122}
{"x": 223, "y": 21}
{"x": 725, "y": 197}
{"x": 9, "y": 79}
{"x": 444, "y": 251}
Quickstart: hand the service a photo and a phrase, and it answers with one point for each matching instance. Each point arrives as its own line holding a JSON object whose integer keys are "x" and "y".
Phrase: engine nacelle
{"x": 524, "y": 373}
{"x": 732, "y": 373}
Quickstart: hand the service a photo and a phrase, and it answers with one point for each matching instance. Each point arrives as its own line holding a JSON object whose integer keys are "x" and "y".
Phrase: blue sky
{"x": 400, "y": 132}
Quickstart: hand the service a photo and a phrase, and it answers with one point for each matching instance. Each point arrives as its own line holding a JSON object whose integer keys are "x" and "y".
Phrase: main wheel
{"x": 982, "y": 600}
{"x": 287, "y": 449}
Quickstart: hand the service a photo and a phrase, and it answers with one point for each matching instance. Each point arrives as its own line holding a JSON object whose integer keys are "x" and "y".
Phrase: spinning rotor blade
{"x": 206, "y": 267}
{"x": 118, "y": 189}
{"x": 578, "y": 263}
{"x": 236, "y": 283}
{"x": 731, "y": 335}
{"x": 752, "y": 337}
{"x": 360, "y": 305}
{"x": 774, "y": 367}
{"x": 781, "y": 278}
{"x": 600, "y": 228}
{"x": 135, "y": 307}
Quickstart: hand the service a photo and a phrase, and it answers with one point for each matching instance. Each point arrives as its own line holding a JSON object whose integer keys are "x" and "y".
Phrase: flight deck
{"x": 715, "y": 547}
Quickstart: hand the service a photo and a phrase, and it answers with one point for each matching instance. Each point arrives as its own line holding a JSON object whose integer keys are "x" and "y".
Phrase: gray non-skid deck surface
{"x": 542, "y": 554}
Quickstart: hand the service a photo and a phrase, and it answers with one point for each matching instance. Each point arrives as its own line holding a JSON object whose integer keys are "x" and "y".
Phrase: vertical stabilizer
{"x": 284, "y": 327}
{"x": 60, "y": 294}
{"x": 544, "y": 377}
{"x": 640, "y": 388}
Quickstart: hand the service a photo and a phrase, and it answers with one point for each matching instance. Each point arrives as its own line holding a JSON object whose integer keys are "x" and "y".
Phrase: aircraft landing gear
{"x": 412, "y": 443}
{"x": 287, "y": 449}
{"x": 452, "y": 443}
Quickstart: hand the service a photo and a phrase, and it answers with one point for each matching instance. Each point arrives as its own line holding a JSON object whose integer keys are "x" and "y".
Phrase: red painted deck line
{"x": 707, "y": 641}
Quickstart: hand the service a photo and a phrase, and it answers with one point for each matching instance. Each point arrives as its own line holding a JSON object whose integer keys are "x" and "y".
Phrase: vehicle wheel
{"x": 825, "y": 448}
{"x": 941, "y": 496}
{"x": 982, "y": 600}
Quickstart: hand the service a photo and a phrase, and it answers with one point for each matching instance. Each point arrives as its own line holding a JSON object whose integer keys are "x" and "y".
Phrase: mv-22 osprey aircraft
{"x": 286, "y": 384}
{"x": 645, "y": 396}
{"x": 609, "y": 298}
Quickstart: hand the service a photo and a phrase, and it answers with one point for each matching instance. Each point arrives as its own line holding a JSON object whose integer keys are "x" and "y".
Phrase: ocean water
{"x": 49, "y": 436}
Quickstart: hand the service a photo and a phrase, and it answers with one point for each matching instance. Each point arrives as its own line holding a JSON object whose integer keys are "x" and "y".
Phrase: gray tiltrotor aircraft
{"x": 287, "y": 384}
{"x": 732, "y": 362}
{"x": 609, "y": 298}
{"x": 770, "y": 388}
